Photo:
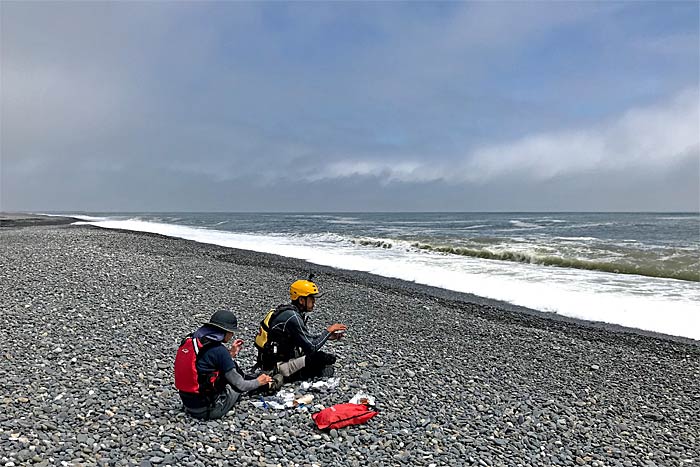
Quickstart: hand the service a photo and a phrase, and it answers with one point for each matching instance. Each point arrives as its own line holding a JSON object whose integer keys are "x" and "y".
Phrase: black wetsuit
{"x": 289, "y": 338}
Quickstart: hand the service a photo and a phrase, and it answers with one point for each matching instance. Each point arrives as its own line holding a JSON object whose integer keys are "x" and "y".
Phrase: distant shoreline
{"x": 32, "y": 220}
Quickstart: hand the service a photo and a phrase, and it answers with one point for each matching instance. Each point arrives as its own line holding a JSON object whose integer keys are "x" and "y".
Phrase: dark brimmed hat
{"x": 224, "y": 319}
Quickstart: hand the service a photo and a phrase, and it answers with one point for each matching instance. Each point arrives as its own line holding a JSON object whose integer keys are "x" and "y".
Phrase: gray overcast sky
{"x": 350, "y": 106}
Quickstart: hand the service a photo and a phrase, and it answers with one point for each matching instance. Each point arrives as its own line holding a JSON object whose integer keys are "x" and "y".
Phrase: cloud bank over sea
{"x": 365, "y": 106}
{"x": 654, "y": 138}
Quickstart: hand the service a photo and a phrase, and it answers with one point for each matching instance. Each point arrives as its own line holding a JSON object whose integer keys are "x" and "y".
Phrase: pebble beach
{"x": 92, "y": 318}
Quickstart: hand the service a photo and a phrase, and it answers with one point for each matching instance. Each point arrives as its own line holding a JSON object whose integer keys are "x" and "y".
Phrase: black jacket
{"x": 289, "y": 333}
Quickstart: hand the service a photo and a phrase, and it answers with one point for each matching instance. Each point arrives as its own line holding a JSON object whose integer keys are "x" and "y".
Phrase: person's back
{"x": 208, "y": 379}
{"x": 284, "y": 327}
{"x": 285, "y": 343}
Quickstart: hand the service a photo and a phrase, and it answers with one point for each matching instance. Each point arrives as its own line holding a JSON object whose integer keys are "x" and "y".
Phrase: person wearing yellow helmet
{"x": 285, "y": 343}
{"x": 302, "y": 288}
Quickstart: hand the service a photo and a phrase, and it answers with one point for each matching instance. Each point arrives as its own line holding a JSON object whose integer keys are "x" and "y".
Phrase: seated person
{"x": 285, "y": 344}
{"x": 208, "y": 379}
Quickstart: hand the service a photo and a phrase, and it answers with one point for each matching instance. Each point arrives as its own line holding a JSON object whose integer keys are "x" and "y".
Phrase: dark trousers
{"x": 222, "y": 405}
{"x": 318, "y": 364}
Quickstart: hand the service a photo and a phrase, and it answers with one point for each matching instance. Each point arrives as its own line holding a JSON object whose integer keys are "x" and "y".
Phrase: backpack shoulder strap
{"x": 265, "y": 323}
{"x": 274, "y": 313}
{"x": 184, "y": 339}
{"x": 197, "y": 345}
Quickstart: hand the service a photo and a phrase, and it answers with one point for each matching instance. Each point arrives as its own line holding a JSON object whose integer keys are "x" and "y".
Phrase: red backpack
{"x": 340, "y": 415}
{"x": 187, "y": 378}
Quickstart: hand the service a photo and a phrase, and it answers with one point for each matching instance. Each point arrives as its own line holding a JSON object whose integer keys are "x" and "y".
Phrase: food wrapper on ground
{"x": 304, "y": 400}
{"x": 277, "y": 405}
{"x": 287, "y": 397}
{"x": 362, "y": 398}
{"x": 282, "y": 400}
{"x": 330, "y": 383}
{"x": 268, "y": 404}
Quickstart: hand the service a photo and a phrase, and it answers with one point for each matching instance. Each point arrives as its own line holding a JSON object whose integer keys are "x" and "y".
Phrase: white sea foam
{"x": 345, "y": 220}
{"x": 433, "y": 222}
{"x": 678, "y": 218}
{"x": 589, "y": 225}
{"x": 663, "y": 305}
{"x": 523, "y": 225}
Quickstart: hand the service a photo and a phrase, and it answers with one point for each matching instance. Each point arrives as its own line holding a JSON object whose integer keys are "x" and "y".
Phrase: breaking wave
{"x": 548, "y": 260}
{"x": 375, "y": 243}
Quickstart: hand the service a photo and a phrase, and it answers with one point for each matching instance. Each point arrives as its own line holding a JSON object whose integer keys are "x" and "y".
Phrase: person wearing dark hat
{"x": 210, "y": 382}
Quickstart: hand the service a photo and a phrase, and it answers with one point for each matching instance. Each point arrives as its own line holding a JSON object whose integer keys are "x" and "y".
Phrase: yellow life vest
{"x": 261, "y": 338}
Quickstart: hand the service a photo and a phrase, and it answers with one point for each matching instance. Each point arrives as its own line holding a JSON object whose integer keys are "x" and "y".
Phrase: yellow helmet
{"x": 302, "y": 288}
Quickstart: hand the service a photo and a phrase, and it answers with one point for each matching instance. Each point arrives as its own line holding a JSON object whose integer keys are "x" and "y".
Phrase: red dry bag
{"x": 340, "y": 415}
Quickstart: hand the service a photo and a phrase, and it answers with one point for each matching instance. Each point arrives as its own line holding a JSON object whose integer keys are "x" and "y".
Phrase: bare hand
{"x": 235, "y": 347}
{"x": 264, "y": 379}
{"x": 337, "y": 327}
{"x": 337, "y": 331}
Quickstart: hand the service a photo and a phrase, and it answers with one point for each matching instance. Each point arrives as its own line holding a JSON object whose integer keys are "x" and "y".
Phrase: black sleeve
{"x": 308, "y": 342}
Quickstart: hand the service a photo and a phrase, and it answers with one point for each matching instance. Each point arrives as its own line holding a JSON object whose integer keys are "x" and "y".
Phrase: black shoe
{"x": 274, "y": 385}
{"x": 327, "y": 371}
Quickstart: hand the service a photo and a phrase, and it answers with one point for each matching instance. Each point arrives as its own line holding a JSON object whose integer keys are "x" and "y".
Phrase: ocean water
{"x": 640, "y": 270}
